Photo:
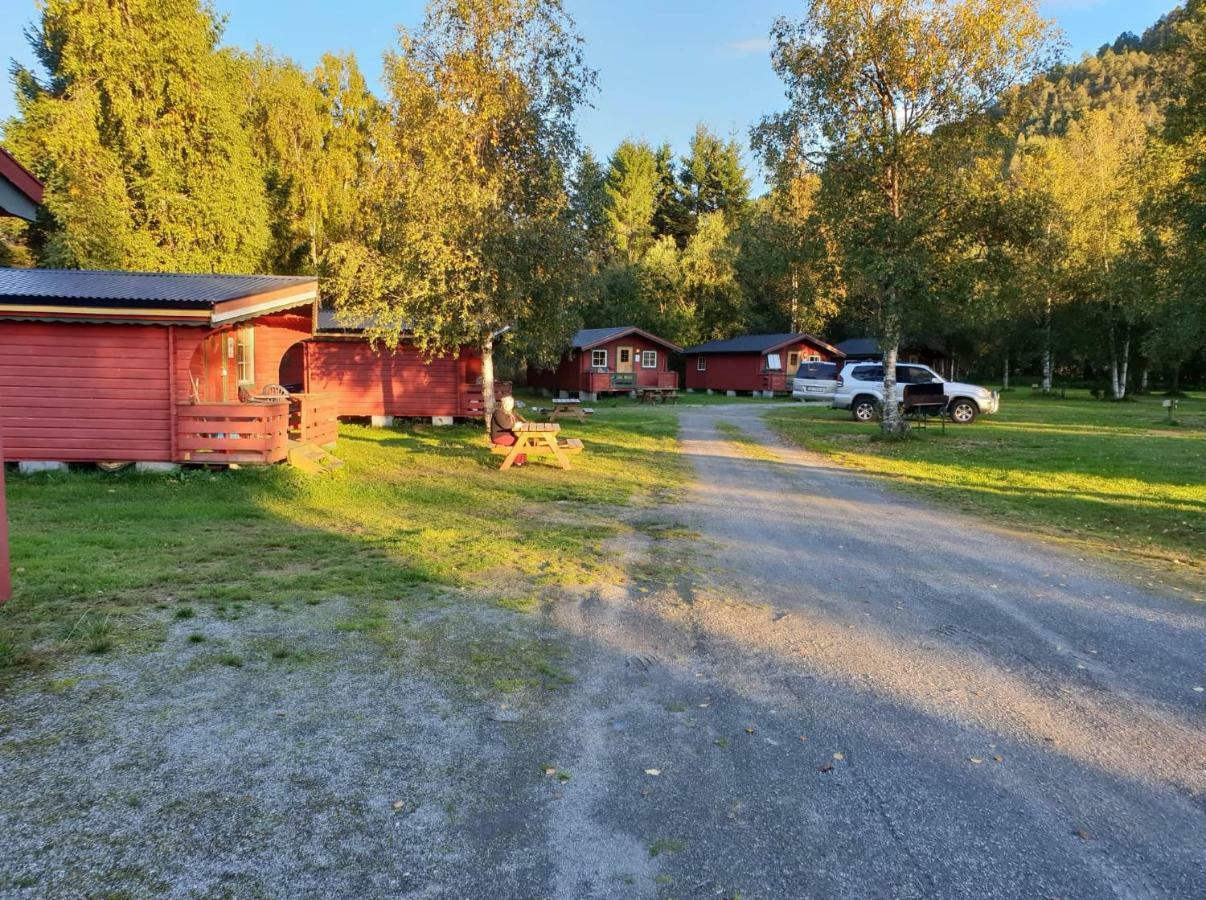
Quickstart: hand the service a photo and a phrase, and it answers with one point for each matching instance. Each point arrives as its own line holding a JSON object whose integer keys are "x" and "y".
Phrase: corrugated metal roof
{"x": 747, "y": 343}
{"x": 85, "y": 287}
{"x": 589, "y": 336}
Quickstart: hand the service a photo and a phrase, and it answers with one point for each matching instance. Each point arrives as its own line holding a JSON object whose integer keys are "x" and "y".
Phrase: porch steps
{"x": 312, "y": 459}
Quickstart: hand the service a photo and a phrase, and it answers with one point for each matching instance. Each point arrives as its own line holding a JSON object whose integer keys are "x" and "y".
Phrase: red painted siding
{"x": 574, "y": 369}
{"x": 6, "y": 585}
{"x": 85, "y": 392}
{"x": 747, "y": 371}
{"x": 376, "y": 382}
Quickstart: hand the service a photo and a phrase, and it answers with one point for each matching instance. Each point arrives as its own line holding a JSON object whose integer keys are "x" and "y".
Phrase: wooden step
{"x": 312, "y": 459}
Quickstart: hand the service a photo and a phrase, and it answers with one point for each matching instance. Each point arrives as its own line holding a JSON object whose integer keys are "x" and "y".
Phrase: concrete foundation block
{"x": 588, "y": 396}
{"x": 383, "y": 421}
{"x": 153, "y": 468}
{"x": 441, "y": 420}
{"x": 33, "y": 466}
{"x": 730, "y": 393}
{"x": 710, "y": 392}
{"x": 690, "y": 390}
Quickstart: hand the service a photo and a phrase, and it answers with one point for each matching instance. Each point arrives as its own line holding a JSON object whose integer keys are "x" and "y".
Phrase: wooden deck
{"x": 253, "y": 433}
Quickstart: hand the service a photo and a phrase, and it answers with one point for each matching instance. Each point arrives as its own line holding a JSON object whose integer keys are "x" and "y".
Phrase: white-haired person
{"x": 502, "y": 426}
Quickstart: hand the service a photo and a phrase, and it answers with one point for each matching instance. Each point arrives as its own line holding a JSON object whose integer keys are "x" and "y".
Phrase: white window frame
{"x": 245, "y": 356}
{"x": 701, "y": 363}
{"x": 594, "y": 355}
{"x": 810, "y": 357}
{"x": 648, "y": 359}
{"x": 778, "y": 358}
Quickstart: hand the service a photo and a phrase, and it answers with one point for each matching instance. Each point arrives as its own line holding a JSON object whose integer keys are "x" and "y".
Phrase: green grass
{"x": 1114, "y": 478}
{"x": 746, "y": 444}
{"x": 413, "y": 507}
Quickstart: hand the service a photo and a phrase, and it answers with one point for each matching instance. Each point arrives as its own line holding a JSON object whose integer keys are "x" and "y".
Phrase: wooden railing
{"x": 774, "y": 381}
{"x": 667, "y": 380}
{"x": 313, "y": 419}
{"x": 597, "y": 382}
{"x": 470, "y": 405}
{"x": 223, "y": 433}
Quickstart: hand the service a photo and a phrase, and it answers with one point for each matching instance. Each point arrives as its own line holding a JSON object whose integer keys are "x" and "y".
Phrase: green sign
{"x": 623, "y": 379}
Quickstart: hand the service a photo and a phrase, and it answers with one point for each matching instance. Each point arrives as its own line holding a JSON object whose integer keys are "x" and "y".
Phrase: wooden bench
{"x": 569, "y": 407}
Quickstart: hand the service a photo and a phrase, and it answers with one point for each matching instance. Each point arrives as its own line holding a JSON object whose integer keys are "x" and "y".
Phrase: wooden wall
{"x": 573, "y": 371}
{"x": 744, "y": 371}
{"x": 85, "y": 392}
{"x": 6, "y": 585}
{"x": 376, "y": 382}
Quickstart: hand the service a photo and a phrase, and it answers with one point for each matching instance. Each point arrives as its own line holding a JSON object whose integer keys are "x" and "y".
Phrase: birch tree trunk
{"x": 893, "y": 422}
{"x": 1048, "y": 360}
{"x": 1005, "y": 373}
{"x": 1124, "y": 365}
{"x": 488, "y": 380}
{"x": 1115, "y": 393}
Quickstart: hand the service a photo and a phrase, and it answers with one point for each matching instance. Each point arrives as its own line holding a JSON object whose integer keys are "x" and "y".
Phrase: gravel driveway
{"x": 807, "y": 687}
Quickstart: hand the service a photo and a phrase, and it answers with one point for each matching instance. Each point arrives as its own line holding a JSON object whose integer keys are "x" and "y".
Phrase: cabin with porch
{"x": 761, "y": 363}
{"x": 366, "y": 381}
{"x": 609, "y": 360}
{"x": 100, "y": 366}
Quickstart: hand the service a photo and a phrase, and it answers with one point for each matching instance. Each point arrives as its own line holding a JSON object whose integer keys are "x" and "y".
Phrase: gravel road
{"x": 807, "y": 687}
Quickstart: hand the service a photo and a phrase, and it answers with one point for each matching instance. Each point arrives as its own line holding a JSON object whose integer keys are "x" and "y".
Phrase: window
{"x": 868, "y": 373}
{"x": 598, "y": 359}
{"x": 648, "y": 359}
{"x": 793, "y": 360}
{"x": 246, "y": 356}
{"x": 811, "y": 357}
{"x": 774, "y": 361}
{"x": 701, "y": 363}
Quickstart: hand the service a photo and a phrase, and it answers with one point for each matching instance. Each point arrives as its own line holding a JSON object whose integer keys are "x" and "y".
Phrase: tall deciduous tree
{"x": 467, "y": 230}
{"x": 876, "y": 90}
{"x": 134, "y": 126}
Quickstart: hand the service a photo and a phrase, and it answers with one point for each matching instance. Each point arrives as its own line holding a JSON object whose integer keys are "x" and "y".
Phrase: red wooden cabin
{"x": 753, "y": 362}
{"x": 379, "y": 383}
{"x": 20, "y": 196}
{"x": 155, "y": 368}
{"x": 607, "y": 360}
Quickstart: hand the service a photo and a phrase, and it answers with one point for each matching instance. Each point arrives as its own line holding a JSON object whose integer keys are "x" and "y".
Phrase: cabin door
{"x": 624, "y": 360}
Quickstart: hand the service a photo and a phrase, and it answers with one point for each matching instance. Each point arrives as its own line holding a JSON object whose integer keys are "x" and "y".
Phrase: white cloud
{"x": 750, "y": 45}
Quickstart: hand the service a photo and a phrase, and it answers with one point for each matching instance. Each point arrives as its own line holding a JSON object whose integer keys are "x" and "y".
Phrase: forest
{"x": 939, "y": 175}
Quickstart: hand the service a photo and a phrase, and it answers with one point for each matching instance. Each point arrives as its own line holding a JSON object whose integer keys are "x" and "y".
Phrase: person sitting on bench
{"x": 502, "y": 426}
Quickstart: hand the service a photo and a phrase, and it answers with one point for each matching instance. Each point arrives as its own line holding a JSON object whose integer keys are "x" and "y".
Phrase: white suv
{"x": 860, "y": 389}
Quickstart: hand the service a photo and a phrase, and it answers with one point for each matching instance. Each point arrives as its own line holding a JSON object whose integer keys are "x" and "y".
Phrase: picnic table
{"x": 569, "y": 407}
{"x": 538, "y": 439}
{"x": 659, "y": 395}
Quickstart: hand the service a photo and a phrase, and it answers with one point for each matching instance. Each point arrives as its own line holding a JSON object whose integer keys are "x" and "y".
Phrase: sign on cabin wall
{"x": 623, "y": 379}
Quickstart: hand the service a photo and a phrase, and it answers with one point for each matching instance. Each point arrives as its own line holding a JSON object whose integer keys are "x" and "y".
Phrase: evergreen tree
{"x": 632, "y": 194}
{"x": 713, "y": 180}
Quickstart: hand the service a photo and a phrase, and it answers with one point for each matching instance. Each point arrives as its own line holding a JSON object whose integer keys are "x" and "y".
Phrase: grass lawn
{"x": 414, "y": 511}
{"x": 1114, "y": 478}
{"x": 623, "y": 401}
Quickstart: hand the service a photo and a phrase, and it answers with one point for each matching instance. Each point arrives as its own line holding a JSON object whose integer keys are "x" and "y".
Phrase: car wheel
{"x": 963, "y": 411}
{"x": 864, "y": 409}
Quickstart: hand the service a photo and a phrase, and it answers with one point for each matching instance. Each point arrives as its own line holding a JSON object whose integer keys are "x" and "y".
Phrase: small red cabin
{"x": 376, "y": 382}
{"x": 102, "y": 366}
{"x": 606, "y": 360}
{"x": 20, "y": 196}
{"x": 753, "y": 362}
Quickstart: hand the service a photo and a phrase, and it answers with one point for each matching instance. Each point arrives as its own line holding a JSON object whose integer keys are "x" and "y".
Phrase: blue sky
{"x": 664, "y": 65}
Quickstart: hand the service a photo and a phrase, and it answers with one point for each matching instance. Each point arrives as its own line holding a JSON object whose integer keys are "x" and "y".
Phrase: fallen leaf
{"x": 1082, "y": 834}
{"x": 839, "y": 756}
{"x": 750, "y": 729}
{"x": 828, "y": 767}
{"x": 550, "y": 771}
{"x": 998, "y": 759}
{"x": 654, "y": 772}
{"x": 1198, "y": 689}
{"x": 803, "y": 737}
{"x": 398, "y": 804}
{"x": 975, "y": 759}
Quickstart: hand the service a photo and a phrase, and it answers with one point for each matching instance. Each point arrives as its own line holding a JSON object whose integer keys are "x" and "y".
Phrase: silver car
{"x": 815, "y": 382}
{"x": 860, "y": 389}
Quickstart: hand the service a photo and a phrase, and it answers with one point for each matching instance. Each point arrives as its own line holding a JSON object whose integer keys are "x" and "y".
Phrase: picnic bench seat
{"x": 565, "y": 445}
{"x": 538, "y": 439}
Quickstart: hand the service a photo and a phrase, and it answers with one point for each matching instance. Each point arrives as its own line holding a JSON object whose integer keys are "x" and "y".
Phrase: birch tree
{"x": 874, "y": 88}
{"x": 466, "y": 229}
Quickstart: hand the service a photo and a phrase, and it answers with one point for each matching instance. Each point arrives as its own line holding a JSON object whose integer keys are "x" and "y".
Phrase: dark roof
{"x": 592, "y": 337}
{"x": 860, "y": 347}
{"x": 74, "y": 287}
{"x": 755, "y": 343}
{"x": 20, "y": 177}
{"x": 328, "y": 320}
